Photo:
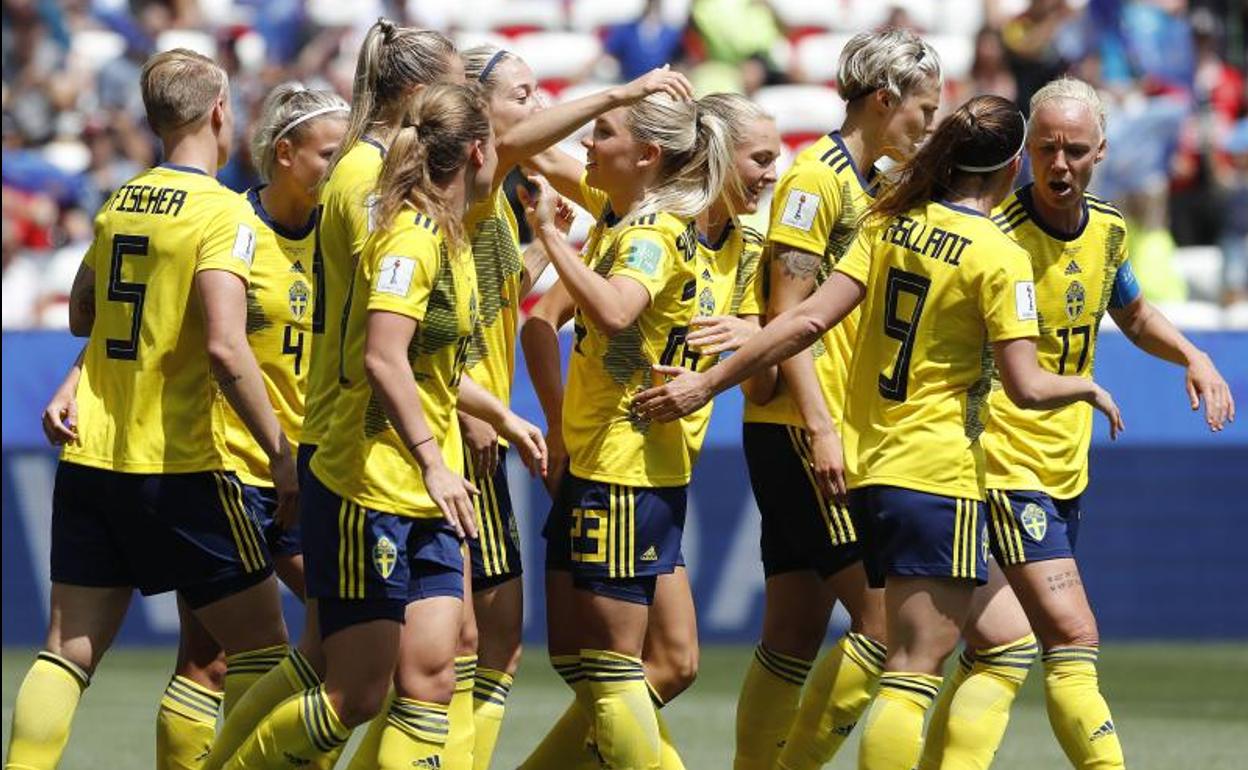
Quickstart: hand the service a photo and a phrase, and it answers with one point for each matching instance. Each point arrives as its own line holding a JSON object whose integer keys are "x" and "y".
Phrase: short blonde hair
{"x": 288, "y": 111}
{"x": 1073, "y": 89}
{"x": 896, "y": 60}
{"x": 179, "y": 87}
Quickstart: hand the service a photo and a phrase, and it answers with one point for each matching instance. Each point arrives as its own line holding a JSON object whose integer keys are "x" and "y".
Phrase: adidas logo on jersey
{"x": 1073, "y": 268}
{"x": 650, "y": 554}
{"x": 1102, "y": 731}
{"x": 298, "y": 267}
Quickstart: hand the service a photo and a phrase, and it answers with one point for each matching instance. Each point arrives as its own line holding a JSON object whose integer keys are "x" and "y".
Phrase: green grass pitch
{"x": 1181, "y": 707}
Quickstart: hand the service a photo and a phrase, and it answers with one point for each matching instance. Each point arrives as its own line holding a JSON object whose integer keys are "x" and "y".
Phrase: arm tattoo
{"x": 799, "y": 264}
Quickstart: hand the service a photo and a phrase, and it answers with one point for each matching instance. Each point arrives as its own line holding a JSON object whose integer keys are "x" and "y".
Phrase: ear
{"x": 1101, "y": 150}
{"x": 284, "y": 152}
{"x": 885, "y": 100}
{"x": 218, "y": 114}
{"x": 650, "y": 155}
{"x": 476, "y": 153}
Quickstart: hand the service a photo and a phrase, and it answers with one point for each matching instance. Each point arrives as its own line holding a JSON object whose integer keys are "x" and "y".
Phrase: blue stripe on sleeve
{"x": 1126, "y": 288}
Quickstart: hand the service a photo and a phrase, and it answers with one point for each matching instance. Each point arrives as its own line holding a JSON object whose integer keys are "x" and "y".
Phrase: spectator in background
{"x": 645, "y": 43}
{"x": 738, "y": 37}
{"x": 1031, "y": 45}
{"x": 990, "y": 73}
{"x": 1234, "y": 240}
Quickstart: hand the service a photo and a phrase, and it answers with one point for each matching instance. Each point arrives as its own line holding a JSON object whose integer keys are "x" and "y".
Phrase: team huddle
{"x": 311, "y": 383}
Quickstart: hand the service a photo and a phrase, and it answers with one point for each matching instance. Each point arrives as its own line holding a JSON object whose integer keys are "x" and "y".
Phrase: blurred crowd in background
{"x": 1171, "y": 71}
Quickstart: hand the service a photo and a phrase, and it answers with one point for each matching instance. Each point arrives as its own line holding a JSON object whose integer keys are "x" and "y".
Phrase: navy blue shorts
{"x": 1031, "y": 526}
{"x": 801, "y": 529}
{"x": 495, "y": 552}
{"x": 918, "y": 534}
{"x": 303, "y": 462}
{"x": 188, "y": 532}
{"x": 261, "y": 503}
{"x": 615, "y": 539}
{"x": 375, "y": 562}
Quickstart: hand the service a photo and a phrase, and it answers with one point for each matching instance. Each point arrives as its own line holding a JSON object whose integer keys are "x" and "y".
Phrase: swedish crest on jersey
{"x": 299, "y": 296}
{"x": 384, "y": 556}
{"x": 1035, "y": 522}
{"x": 1076, "y": 297}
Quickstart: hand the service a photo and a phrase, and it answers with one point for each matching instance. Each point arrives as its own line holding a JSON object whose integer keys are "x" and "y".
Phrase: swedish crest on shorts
{"x": 299, "y": 297}
{"x": 384, "y": 556}
{"x": 1035, "y": 522}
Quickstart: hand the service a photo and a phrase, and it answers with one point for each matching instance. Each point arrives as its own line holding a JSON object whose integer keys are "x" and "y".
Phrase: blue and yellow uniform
{"x": 346, "y": 220}
{"x": 942, "y": 283}
{"x": 620, "y": 514}
{"x": 1038, "y": 460}
{"x": 815, "y": 208}
{"x": 279, "y": 330}
{"x": 144, "y": 498}
{"x": 495, "y": 235}
{"x": 373, "y": 538}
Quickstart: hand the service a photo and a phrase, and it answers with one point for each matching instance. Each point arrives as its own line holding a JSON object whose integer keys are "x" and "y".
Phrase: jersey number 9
{"x": 896, "y": 385}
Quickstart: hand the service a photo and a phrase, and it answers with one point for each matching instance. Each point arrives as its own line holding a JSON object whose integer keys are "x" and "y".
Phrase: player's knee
{"x": 360, "y": 702}
{"x": 435, "y": 684}
{"x": 469, "y": 638}
{"x": 1075, "y": 632}
{"x": 673, "y": 672}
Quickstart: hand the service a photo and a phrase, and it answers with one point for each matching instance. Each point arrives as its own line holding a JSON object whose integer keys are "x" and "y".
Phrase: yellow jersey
{"x": 495, "y": 235}
{"x": 147, "y": 399}
{"x": 606, "y": 441}
{"x": 1076, "y": 275}
{"x": 726, "y": 272}
{"x": 815, "y": 208}
{"x": 942, "y": 282}
{"x": 345, "y": 222}
{"x": 279, "y": 330}
{"x": 410, "y": 270}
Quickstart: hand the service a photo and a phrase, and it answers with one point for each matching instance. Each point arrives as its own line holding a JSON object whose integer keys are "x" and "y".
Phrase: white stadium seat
{"x": 1236, "y": 316}
{"x": 808, "y": 15}
{"x": 1197, "y": 316}
{"x": 957, "y": 52}
{"x": 512, "y": 17}
{"x": 594, "y": 15}
{"x": 199, "y": 42}
{"x": 802, "y": 113}
{"x": 557, "y": 57}
{"x": 817, "y": 55}
{"x": 471, "y": 38}
{"x": 1201, "y": 268}
{"x": 90, "y": 49}
{"x": 861, "y": 15}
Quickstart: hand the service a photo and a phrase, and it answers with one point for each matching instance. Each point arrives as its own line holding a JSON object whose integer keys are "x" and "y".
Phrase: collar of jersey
{"x": 961, "y": 209}
{"x": 1025, "y": 198}
{"x": 185, "y": 169}
{"x": 253, "y": 197}
{"x": 723, "y": 237}
{"x": 867, "y": 182}
{"x": 370, "y": 140}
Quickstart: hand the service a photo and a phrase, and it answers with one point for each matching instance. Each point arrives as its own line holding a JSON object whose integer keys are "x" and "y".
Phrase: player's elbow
{"x": 80, "y": 322}
{"x": 376, "y": 364}
{"x": 809, "y": 326}
{"x": 223, "y": 354}
{"x": 1023, "y": 392}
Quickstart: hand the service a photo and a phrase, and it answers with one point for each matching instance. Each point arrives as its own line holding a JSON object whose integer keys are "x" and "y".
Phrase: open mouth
{"x": 1060, "y": 187}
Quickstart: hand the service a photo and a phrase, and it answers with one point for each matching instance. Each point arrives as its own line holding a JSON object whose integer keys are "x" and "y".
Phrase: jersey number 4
{"x": 128, "y": 292}
{"x": 896, "y": 385}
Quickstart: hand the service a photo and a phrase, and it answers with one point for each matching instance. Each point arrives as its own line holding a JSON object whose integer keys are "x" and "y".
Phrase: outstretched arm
{"x": 1031, "y": 387}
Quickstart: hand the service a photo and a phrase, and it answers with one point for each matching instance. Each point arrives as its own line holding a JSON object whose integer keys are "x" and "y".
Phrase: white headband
{"x": 307, "y": 117}
{"x": 1004, "y": 163}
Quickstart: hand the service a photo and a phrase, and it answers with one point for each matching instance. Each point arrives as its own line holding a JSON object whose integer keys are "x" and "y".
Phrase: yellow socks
{"x": 843, "y": 684}
{"x": 244, "y": 669}
{"x": 1077, "y": 711}
{"x": 766, "y": 707}
{"x": 43, "y": 712}
{"x": 938, "y": 723}
{"x": 459, "y": 743}
{"x": 489, "y": 703}
{"x": 369, "y": 748}
{"x": 186, "y": 724}
{"x": 669, "y": 758}
{"x": 625, "y": 727}
{"x": 978, "y": 708}
{"x": 565, "y": 746}
{"x": 291, "y": 676}
{"x": 415, "y": 736}
{"x": 893, "y": 736}
{"x": 302, "y": 732}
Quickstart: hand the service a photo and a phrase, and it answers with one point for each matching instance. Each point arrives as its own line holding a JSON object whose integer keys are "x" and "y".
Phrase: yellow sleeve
{"x": 1007, "y": 298}
{"x": 645, "y": 255}
{"x": 595, "y": 198}
{"x": 229, "y": 241}
{"x": 91, "y": 258}
{"x": 856, "y": 263}
{"x": 804, "y": 208}
{"x": 751, "y": 291}
{"x": 402, "y": 282}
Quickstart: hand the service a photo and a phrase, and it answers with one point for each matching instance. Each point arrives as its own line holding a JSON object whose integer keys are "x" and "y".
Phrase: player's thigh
{"x": 562, "y": 636}
{"x": 500, "y": 618}
{"x": 670, "y": 651}
{"x": 1053, "y": 596}
{"x": 469, "y": 630}
{"x": 247, "y": 620}
{"x": 925, "y": 616}
{"x": 996, "y": 617}
{"x": 360, "y": 661}
{"x": 796, "y": 611}
{"x": 84, "y": 622}
{"x": 289, "y": 569}
{"x": 610, "y": 623}
{"x": 310, "y": 640}
{"x": 200, "y": 658}
{"x": 864, "y": 604}
{"x": 427, "y": 648}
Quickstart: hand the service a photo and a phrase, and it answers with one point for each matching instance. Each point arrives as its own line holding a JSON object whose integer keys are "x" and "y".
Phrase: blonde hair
{"x": 179, "y": 87}
{"x": 288, "y": 112}
{"x": 428, "y": 153}
{"x": 896, "y": 60}
{"x": 738, "y": 113}
{"x": 1069, "y": 88}
{"x": 392, "y": 61}
{"x": 696, "y": 159}
{"x": 481, "y": 65}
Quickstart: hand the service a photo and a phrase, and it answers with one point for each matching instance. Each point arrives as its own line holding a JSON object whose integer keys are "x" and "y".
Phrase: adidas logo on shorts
{"x": 1103, "y": 731}
{"x": 294, "y": 760}
{"x": 650, "y": 554}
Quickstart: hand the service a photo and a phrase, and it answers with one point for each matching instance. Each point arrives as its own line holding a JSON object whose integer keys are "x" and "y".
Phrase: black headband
{"x": 489, "y": 66}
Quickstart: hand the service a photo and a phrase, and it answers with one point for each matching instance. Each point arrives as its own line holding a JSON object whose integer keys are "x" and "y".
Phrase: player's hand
{"x": 1104, "y": 403}
{"x": 661, "y": 80}
{"x": 540, "y": 210}
{"x": 60, "y": 418}
{"x": 685, "y": 394}
{"x": 564, "y": 215}
{"x": 556, "y": 461}
{"x": 285, "y": 474}
{"x": 482, "y": 442}
{"x": 716, "y": 333}
{"x": 453, "y": 494}
{"x": 827, "y": 461}
{"x": 1205, "y": 383}
{"x": 527, "y": 438}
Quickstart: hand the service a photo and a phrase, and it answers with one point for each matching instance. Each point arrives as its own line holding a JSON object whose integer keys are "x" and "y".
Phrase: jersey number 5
{"x": 900, "y": 282}
{"x": 128, "y": 292}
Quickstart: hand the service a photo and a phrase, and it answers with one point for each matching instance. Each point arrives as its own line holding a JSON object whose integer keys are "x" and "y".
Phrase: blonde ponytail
{"x": 696, "y": 156}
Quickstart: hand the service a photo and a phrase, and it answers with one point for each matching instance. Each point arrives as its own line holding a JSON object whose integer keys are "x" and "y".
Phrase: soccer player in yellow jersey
{"x": 1037, "y": 462}
{"x": 728, "y": 254}
{"x": 385, "y": 506}
{"x": 144, "y": 498}
{"x": 620, "y": 509}
{"x": 938, "y": 284}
